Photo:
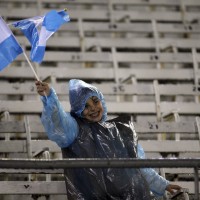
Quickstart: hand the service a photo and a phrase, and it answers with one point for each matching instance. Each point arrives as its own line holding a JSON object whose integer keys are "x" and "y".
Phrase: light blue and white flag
{"x": 39, "y": 29}
{"x": 9, "y": 47}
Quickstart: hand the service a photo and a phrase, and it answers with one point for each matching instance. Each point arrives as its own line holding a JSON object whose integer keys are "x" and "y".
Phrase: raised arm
{"x": 59, "y": 125}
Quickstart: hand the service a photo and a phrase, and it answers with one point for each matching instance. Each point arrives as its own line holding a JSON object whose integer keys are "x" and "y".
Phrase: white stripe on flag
{"x": 9, "y": 47}
{"x": 5, "y": 32}
{"x": 44, "y": 35}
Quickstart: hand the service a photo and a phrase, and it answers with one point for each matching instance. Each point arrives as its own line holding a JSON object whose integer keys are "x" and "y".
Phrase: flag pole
{"x": 36, "y": 76}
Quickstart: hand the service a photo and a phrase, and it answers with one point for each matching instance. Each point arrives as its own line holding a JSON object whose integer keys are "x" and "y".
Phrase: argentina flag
{"x": 39, "y": 29}
{"x": 9, "y": 47}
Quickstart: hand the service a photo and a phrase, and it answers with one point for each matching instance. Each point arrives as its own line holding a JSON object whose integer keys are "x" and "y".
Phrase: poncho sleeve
{"x": 59, "y": 125}
{"x": 157, "y": 183}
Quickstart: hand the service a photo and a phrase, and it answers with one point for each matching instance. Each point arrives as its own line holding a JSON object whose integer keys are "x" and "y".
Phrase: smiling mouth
{"x": 96, "y": 114}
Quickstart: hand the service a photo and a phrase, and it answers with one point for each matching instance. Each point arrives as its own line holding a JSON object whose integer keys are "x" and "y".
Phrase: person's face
{"x": 93, "y": 111}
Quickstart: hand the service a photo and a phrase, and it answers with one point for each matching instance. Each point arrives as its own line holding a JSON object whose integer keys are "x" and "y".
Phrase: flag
{"x": 39, "y": 29}
{"x": 9, "y": 47}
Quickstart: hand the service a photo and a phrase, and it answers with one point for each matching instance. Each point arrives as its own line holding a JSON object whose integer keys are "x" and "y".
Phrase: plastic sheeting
{"x": 112, "y": 139}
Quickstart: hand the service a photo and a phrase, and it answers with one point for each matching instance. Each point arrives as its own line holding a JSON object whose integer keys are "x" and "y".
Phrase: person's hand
{"x": 43, "y": 88}
{"x": 172, "y": 188}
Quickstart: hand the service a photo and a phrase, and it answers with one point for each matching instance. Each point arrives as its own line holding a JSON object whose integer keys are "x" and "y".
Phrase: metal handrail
{"x": 106, "y": 163}
{"x": 99, "y": 163}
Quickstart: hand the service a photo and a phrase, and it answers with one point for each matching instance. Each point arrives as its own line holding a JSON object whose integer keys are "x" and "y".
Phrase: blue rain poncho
{"x": 80, "y": 139}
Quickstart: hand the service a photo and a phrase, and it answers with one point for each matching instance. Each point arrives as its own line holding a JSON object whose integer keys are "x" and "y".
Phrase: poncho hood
{"x": 79, "y": 92}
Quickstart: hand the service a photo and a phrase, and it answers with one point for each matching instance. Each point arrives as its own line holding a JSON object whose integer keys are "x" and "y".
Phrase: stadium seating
{"x": 144, "y": 57}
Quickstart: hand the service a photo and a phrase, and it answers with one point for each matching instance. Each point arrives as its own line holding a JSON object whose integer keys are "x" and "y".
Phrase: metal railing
{"x": 106, "y": 163}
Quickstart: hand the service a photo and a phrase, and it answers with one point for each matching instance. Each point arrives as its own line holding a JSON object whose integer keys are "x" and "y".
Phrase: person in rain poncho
{"x": 84, "y": 133}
